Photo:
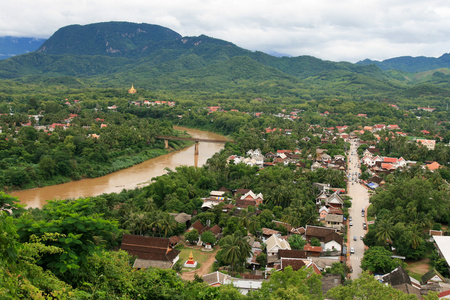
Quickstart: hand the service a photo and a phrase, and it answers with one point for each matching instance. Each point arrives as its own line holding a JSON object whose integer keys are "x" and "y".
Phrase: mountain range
{"x": 11, "y": 46}
{"x": 155, "y": 57}
{"x": 410, "y": 64}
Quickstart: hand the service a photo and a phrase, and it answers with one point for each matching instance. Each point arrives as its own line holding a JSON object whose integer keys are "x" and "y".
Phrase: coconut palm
{"x": 230, "y": 250}
{"x": 167, "y": 224}
{"x": 235, "y": 250}
{"x": 137, "y": 222}
{"x": 384, "y": 231}
{"x": 416, "y": 238}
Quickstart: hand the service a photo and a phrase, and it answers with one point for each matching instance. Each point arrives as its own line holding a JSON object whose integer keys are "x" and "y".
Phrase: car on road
{"x": 354, "y": 237}
{"x": 352, "y": 250}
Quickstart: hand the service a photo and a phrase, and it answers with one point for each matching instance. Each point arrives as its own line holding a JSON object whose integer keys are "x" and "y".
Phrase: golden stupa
{"x": 132, "y": 90}
{"x": 191, "y": 257}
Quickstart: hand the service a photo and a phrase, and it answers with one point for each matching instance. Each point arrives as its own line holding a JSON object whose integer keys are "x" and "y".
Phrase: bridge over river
{"x": 166, "y": 139}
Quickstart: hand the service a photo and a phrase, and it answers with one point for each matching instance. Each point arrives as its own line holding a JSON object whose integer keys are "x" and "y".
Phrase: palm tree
{"x": 235, "y": 250}
{"x": 167, "y": 224}
{"x": 137, "y": 222}
{"x": 416, "y": 239}
{"x": 385, "y": 231}
{"x": 244, "y": 218}
{"x": 230, "y": 250}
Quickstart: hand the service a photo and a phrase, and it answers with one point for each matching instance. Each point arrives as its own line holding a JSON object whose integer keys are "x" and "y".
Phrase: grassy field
{"x": 417, "y": 269}
{"x": 199, "y": 256}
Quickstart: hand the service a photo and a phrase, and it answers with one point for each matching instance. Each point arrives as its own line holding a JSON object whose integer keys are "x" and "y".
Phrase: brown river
{"x": 136, "y": 176}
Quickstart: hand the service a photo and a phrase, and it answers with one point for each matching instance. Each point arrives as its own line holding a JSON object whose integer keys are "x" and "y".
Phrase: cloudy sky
{"x": 337, "y": 30}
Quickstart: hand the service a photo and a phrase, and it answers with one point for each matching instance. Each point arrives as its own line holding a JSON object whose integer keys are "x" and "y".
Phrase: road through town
{"x": 360, "y": 201}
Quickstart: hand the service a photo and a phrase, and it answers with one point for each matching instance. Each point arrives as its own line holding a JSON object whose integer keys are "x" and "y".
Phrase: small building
{"x": 150, "y": 251}
{"x": 216, "y": 279}
{"x": 400, "y": 280}
{"x": 432, "y": 276}
{"x": 334, "y": 221}
{"x": 274, "y": 244}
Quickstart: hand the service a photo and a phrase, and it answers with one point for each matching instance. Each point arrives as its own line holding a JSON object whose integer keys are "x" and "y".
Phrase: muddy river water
{"x": 136, "y": 176}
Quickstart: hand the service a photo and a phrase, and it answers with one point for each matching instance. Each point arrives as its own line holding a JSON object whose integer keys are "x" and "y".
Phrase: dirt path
{"x": 419, "y": 267}
{"x": 203, "y": 270}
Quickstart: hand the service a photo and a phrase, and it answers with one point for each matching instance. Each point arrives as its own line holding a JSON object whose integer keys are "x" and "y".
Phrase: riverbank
{"x": 114, "y": 165}
{"x": 138, "y": 175}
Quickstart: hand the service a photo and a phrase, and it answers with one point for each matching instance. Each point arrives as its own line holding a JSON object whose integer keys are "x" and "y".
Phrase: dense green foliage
{"x": 64, "y": 250}
{"x": 406, "y": 210}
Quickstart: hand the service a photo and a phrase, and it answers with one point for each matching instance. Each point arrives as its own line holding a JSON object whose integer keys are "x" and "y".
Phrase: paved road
{"x": 360, "y": 198}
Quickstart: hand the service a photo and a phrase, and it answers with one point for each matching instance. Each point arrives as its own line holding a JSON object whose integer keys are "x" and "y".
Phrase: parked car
{"x": 354, "y": 237}
{"x": 352, "y": 250}
{"x": 362, "y": 237}
{"x": 351, "y": 223}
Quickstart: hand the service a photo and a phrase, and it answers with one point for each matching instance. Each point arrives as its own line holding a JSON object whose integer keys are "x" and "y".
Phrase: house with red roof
{"x": 394, "y": 106}
{"x": 393, "y": 127}
{"x": 430, "y": 144}
{"x": 379, "y": 127}
{"x": 433, "y": 166}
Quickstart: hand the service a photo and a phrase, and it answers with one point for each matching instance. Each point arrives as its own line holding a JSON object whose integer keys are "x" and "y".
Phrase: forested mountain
{"x": 145, "y": 45}
{"x": 410, "y": 64}
{"x": 11, "y": 46}
{"x": 110, "y": 38}
{"x": 152, "y": 57}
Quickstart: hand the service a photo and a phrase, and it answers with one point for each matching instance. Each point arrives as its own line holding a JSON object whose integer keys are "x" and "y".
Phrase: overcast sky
{"x": 337, "y": 30}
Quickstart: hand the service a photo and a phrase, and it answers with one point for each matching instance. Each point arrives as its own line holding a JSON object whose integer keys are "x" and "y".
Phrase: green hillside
{"x": 107, "y": 55}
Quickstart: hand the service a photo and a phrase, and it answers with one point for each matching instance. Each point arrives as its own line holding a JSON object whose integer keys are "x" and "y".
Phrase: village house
{"x": 216, "y": 279}
{"x": 266, "y": 233}
{"x": 429, "y": 109}
{"x": 430, "y": 144}
{"x": 378, "y": 127}
{"x": 197, "y": 225}
{"x": 328, "y": 237}
{"x": 432, "y": 166}
{"x": 334, "y": 221}
{"x": 274, "y": 244}
{"x": 400, "y": 280}
{"x": 215, "y": 198}
{"x": 150, "y": 251}
{"x": 249, "y": 199}
{"x": 393, "y": 127}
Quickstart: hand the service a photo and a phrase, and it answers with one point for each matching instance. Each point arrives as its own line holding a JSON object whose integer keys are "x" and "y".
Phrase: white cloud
{"x": 328, "y": 29}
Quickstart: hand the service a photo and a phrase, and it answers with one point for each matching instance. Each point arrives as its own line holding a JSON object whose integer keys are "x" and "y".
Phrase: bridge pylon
{"x": 196, "y": 148}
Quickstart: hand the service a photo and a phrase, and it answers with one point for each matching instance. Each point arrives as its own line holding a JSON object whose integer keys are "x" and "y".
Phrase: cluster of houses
{"x": 256, "y": 158}
{"x": 243, "y": 198}
{"x": 378, "y": 165}
{"x": 286, "y": 157}
{"x": 330, "y": 206}
{"x": 160, "y": 252}
{"x": 314, "y": 259}
{"x": 325, "y": 161}
{"x": 431, "y": 281}
{"x": 153, "y": 103}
